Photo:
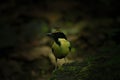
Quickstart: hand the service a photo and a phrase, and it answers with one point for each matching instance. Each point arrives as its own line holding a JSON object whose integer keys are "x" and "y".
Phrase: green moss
{"x": 100, "y": 68}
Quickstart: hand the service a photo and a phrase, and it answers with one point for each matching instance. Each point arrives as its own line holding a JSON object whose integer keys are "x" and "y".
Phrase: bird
{"x": 61, "y": 47}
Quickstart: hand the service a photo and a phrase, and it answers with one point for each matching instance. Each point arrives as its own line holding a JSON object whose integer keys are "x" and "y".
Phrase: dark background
{"x": 92, "y": 27}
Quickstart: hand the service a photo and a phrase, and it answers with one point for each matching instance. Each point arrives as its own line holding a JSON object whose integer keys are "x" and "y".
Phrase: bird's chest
{"x": 60, "y": 50}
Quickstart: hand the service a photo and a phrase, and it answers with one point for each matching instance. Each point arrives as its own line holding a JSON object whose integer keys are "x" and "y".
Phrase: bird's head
{"x": 56, "y": 35}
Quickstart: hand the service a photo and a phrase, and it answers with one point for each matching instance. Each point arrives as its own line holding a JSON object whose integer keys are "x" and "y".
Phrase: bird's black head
{"x": 57, "y": 35}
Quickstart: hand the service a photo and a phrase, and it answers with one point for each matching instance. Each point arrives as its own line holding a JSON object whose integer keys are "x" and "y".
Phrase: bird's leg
{"x": 65, "y": 60}
{"x": 56, "y": 66}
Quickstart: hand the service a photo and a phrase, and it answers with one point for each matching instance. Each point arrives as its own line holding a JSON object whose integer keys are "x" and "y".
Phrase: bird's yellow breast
{"x": 60, "y": 51}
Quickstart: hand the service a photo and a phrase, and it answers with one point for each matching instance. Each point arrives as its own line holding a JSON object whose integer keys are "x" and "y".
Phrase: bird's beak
{"x": 49, "y": 34}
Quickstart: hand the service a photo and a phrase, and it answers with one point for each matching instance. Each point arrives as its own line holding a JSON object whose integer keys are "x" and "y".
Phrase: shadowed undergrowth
{"x": 100, "y": 68}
